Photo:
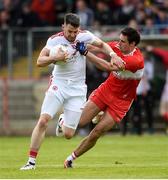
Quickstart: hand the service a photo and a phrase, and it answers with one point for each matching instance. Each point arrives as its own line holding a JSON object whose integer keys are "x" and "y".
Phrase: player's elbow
{"x": 38, "y": 64}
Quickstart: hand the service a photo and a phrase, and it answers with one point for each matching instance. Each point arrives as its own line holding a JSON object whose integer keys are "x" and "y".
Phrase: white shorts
{"x": 70, "y": 95}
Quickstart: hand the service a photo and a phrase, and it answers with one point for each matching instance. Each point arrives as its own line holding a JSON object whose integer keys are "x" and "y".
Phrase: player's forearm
{"x": 103, "y": 47}
{"x": 101, "y": 63}
{"x": 44, "y": 61}
{"x": 107, "y": 49}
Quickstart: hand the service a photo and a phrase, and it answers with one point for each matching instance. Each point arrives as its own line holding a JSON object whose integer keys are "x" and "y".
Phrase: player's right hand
{"x": 61, "y": 56}
{"x": 117, "y": 61}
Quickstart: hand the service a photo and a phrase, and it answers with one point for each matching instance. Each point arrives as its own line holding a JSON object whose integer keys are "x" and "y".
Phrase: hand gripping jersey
{"x": 123, "y": 84}
{"x": 75, "y": 68}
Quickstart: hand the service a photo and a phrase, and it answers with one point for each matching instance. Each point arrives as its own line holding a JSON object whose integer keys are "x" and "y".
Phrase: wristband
{"x": 112, "y": 54}
{"x": 85, "y": 53}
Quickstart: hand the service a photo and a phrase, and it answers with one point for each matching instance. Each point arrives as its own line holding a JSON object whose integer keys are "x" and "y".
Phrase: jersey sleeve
{"x": 133, "y": 62}
{"x": 112, "y": 44}
{"x": 49, "y": 43}
{"x": 87, "y": 37}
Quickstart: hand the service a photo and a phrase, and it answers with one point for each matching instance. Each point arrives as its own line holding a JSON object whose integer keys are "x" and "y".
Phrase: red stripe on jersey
{"x": 57, "y": 34}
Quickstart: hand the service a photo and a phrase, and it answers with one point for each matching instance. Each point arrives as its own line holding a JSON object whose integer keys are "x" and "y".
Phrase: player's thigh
{"x": 75, "y": 103}
{"x": 71, "y": 119}
{"x": 106, "y": 123}
{"x": 51, "y": 104}
{"x": 89, "y": 112}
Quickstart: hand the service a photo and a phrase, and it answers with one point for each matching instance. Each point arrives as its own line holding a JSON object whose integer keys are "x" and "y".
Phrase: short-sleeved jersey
{"x": 123, "y": 84}
{"x": 75, "y": 67}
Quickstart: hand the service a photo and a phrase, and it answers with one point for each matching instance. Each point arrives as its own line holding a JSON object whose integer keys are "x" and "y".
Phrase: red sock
{"x": 74, "y": 156}
{"x": 33, "y": 153}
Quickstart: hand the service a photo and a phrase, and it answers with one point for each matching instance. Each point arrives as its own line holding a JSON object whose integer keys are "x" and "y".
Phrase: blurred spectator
{"x": 161, "y": 20}
{"x": 133, "y": 23}
{"x": 4, "y": 20}
{"x": 61, "y": 7}
{"x": 103, "y": 14}
{"x": 13, "y": 9}
{"x": 164, "y": 98}
{"x": 162, "y": 17}
{"x": 149, "y": 28}
{"x": 125, "y": 12}
{"x": 1, "y": 5}
{"x": 140, "y": 14}
{"x": 124, "y": 124}
{"x": 28, "y": 18}
{"x": 144, "y": 102}
{"x": 164, "y": 103}
{"x": 86, "y": 14}
{"x": 45, "y": 10}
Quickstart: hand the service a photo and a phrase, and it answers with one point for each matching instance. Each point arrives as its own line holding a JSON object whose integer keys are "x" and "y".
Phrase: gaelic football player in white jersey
{"x": 67, "y": 88}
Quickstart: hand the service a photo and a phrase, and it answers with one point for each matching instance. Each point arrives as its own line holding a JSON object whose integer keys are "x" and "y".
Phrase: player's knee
{"x": 68, "y": 135}
{"x": 43, "y": 123}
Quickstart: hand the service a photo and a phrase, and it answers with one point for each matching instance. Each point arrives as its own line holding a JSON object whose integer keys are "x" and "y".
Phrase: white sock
{"x": 32, "y": 160}
{"x": 71, "y": 157}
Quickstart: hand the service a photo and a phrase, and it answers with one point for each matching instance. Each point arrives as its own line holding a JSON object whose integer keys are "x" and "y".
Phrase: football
{"x": 54, "y": 50}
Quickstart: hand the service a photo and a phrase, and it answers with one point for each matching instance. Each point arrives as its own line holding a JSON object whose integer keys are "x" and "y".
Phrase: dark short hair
{"x": 72, "y": 19}
{"x": 132, "y": 35}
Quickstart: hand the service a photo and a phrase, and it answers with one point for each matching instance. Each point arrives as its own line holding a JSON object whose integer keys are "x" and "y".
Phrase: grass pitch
{"x": 114, "y": 156}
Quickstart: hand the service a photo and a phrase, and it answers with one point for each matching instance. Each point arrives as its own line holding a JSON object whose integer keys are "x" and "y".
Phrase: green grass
{"x": 113, "y": 157}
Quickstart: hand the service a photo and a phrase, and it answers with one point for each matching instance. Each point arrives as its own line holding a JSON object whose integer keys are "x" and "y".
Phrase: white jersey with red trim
{"x": 75, "y": 67}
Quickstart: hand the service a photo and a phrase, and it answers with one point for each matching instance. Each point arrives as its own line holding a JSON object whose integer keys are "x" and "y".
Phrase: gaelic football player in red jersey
{"x": 116, "y": 94}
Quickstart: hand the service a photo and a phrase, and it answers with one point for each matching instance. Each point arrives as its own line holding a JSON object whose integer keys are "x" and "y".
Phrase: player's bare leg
{"x": 88, "y": 113}
{"x": 104, "y": 125}
{"x": 36, "y": 140}
{"x": 39, "y": 132}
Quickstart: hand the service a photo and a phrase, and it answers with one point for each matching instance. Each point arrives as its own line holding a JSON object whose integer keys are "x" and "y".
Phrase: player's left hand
{"x": 81, "y": 47}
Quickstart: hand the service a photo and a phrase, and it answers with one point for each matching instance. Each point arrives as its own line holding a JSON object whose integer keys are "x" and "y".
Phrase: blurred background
{"x": 25, "y": 25}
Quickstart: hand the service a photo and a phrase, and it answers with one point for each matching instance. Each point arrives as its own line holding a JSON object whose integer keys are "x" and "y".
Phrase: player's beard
{"x": 71, "y": 39}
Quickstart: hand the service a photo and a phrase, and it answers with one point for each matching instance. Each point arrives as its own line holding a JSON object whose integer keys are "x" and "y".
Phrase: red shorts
{"x": 117, "y": 107}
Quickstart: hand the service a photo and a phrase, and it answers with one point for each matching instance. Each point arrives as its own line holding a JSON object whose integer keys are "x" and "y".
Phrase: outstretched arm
{"x": 101, "y": 63}
{"x": 163, "y": 53}
{"x": 104, "y": 47}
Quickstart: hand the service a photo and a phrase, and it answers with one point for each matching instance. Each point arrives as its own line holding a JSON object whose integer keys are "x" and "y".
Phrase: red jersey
{"x": 123, "y": 84}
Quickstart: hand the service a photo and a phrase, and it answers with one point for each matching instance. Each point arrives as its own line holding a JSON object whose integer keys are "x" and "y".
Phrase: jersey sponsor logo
{"x": 55, "y": 88}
